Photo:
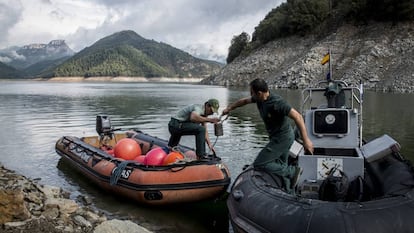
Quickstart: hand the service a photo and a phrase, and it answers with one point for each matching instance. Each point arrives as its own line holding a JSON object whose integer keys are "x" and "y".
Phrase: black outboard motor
{"x": 103, "y": 126}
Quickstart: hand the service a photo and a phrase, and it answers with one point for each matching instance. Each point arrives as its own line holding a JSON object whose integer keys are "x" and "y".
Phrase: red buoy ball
{"x": 140, "y": 159}
{"x": 172, "y": 157}
{"x": 127, "y": 149}
{"x": 155, "y": 156}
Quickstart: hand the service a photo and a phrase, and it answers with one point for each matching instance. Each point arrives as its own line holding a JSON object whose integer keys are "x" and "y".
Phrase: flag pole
{"x": 361, "y": 100}
{"x": 330, "y": 66}
{"x": 327, "y": 58}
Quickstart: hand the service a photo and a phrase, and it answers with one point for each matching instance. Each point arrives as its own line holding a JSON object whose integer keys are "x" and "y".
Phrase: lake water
{"x": 33, "y": 115}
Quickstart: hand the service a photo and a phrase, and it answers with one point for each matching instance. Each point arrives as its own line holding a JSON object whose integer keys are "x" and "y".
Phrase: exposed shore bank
{"x": 124, "y": 79}
{"x": 379, "y": 55}
{"x": 111, "y": 79}
{"x": 27, "y": 206}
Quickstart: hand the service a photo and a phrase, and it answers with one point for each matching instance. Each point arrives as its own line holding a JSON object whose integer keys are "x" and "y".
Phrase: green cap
{"x": 214, "y": 105}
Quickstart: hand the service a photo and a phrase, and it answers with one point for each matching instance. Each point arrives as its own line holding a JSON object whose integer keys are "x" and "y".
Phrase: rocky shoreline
{"x": 27, "y": 206}
{"x": 377, "y": 55}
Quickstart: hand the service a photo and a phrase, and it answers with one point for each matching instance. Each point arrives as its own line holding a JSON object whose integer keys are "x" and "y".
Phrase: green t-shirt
{"x": 185, "y": 113}
{"x": 274, "y": 112}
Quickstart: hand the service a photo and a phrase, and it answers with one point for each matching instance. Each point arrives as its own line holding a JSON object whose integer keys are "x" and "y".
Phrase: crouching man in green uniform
{"x": 191, "y": 120}
{"x": 275, "y": 112}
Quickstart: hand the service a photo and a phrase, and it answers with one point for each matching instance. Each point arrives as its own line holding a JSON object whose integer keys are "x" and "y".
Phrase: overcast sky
{"x": 196, "y": 26}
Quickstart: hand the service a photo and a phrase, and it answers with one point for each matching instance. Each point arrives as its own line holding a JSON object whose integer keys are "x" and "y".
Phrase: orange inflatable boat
{"x": 155, "y": 180}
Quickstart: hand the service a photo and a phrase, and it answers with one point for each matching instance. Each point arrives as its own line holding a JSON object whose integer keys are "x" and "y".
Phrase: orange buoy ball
{"x": 172, "y": 157}
{"x": 155, "y": 156}
{"x": 127, "y": 149}
{"x": 140, "y": 159}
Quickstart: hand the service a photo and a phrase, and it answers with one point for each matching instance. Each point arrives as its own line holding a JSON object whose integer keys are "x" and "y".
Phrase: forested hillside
{"x": 8, "y": 71}
{"x": 128, "y": 54}
{"x": 318, "y": 17}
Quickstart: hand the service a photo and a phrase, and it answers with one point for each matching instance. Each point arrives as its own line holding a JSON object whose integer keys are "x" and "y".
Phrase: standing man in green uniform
{"x": 275, "y": 112}
{"x": 191, "y": 120}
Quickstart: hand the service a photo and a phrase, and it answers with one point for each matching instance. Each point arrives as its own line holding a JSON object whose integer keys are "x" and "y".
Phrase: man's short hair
{"x": 259, "y": 85}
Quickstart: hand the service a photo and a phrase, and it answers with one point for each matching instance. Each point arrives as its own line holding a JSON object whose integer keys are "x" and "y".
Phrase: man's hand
{"x": 214, "y": 120}
{"x": 308, "y": 145}
{"x": 226, "y": 111}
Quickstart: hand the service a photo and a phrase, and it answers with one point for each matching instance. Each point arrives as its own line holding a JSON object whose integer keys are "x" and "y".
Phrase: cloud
{"x": 5, "y": 59}
{"x": 10, "y": 55}
{"x": 197, "y": 26}
{"x": 10, "y": 13}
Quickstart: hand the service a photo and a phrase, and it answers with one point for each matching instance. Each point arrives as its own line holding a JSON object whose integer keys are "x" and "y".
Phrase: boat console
{"x": 333, "y": 116}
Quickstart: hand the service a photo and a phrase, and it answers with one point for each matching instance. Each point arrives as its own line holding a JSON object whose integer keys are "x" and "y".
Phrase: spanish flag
{"x": 325, "y": 59}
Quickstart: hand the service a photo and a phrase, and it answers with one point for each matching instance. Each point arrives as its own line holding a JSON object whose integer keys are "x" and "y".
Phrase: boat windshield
{"x": 336, "y": 95}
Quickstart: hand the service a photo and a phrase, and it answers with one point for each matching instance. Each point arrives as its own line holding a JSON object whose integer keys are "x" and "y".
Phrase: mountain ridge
{"x": 22, "y": 57}
{"x": 124, "y": 53}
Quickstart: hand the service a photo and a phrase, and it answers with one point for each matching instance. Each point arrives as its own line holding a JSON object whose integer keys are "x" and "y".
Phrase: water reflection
{"x": 33, "y": 115}
{"x": 391, "y": 114}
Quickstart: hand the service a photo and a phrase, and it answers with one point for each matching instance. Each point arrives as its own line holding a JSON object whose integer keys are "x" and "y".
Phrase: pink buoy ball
{"x": 155, "y": 156}
{"x": 190, "y": 154}
{"x": 111, "y": 152}
{"x": 127, "y": 149}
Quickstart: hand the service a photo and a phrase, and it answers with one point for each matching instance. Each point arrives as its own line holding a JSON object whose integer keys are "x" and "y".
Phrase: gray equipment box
{"x": 316, "y": 167}
{"x": 379, "y": 148}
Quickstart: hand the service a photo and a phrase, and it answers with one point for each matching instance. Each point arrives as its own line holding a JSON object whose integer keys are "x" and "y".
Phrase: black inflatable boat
{"x": 347, "y": 185}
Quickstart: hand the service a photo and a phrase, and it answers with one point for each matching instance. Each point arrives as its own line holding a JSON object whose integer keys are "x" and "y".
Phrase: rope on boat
{"x": 116, "y": 174}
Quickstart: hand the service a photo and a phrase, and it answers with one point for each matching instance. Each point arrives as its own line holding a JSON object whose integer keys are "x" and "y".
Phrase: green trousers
{"x": 274, "y": 158}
